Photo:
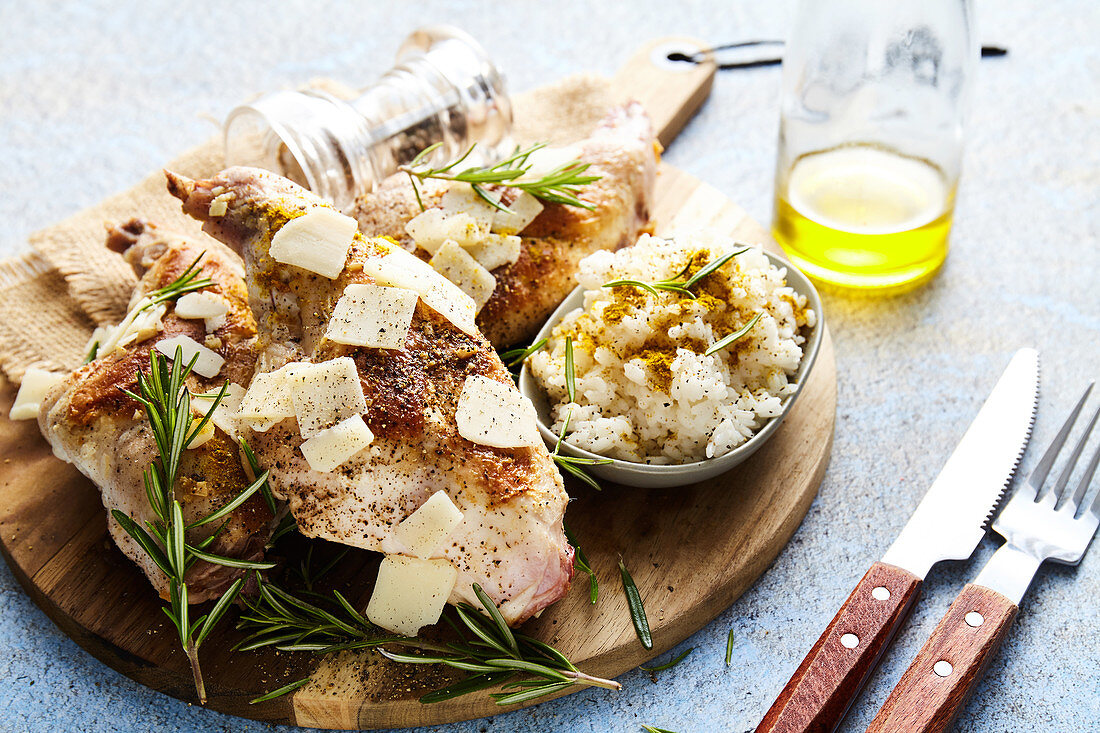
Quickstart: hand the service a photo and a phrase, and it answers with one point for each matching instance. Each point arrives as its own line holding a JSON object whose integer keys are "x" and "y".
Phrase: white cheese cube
{"x": 331, "y": 448}
{"x": 225, "y": 415}
{"x": 496, "y": 250}
{"x": 268, "y": 399}
{"x": 32, "y": 390}
{"x": 521, "y": 212}
{"x": 207, "y": 363}
{"x": 424, "y": 531}
{"x": 461, "y": 198}
{"x": 325, "y": 394}
{"x": 432, "y": 227}
{"x": 204, "y": 435}
{"x": 201, "y": 305}
{"x": 376, "y": 316}
{"x": 458, "y": 266}
{"x": 400, "y": 269}
{"x": 317, "y": 241}
{"x": 496, "y": 414}
{"x": 410, "y": 593}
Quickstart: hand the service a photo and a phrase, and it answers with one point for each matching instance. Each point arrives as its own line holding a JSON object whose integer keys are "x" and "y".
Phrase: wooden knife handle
{"x": 838, "y": 665}
{"x": 939, "y": 681}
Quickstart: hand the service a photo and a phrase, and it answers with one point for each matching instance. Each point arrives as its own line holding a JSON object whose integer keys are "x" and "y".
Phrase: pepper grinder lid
{"x": 443, "y": 88}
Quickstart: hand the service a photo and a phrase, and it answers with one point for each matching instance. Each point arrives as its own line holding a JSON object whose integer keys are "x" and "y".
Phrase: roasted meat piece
{"x": 510, "y": 540}
{"x": 92, "y": 424}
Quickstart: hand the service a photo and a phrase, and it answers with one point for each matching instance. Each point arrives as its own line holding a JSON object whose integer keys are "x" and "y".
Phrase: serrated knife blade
{"x": 950, "y": 520}
{"x": 947, "y": 524}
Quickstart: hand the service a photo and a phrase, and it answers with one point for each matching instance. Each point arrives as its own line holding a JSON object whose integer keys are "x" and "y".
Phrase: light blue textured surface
{"x": 96, "y": 94}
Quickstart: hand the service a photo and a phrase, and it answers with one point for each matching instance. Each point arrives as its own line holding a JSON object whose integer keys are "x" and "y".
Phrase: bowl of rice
{"x": 685, "y": 355}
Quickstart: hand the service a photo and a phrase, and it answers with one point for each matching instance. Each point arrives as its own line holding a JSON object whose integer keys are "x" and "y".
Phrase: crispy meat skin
{"x": 105, "y": 434}
{"x": 621, "y": 150}
{"x": 513, "y": 500}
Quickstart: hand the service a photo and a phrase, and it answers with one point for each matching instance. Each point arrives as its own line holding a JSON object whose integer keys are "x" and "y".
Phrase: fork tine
{"x": 1039, "y": 473}
{"x": 1086, "y": 479}
{"x": 1071, "y": 463}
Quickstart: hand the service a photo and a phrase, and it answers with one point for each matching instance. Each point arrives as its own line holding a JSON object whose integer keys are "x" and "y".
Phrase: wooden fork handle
{"x": 939, "y": 681}
{"x": 830, "y": 677}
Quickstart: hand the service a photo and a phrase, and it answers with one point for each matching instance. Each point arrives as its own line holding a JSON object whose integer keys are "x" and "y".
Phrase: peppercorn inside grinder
{"x": 443, "y": 89}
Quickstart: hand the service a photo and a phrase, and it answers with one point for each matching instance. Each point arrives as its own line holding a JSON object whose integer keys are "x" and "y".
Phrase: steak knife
{"x": 948, "y": 524}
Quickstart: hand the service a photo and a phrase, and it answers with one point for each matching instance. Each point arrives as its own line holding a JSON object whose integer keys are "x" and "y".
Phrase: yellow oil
{"x": 860, "y": 216}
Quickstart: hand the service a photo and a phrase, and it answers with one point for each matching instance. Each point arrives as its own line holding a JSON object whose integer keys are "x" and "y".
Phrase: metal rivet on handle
{"x": 881, "y": 593}
{"x": 974, "y": 619}
{"x": 943, "y": 668}
{"x": 850, "y": 641}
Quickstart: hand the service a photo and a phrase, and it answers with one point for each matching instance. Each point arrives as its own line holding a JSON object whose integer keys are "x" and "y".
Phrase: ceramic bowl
{"x": 644, "y": 475}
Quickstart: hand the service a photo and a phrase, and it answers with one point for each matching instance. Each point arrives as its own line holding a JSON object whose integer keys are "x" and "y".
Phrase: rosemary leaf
{"x": 581, "y": 561}
{"x": 570, "y": 379}
{"x": 738, "y": 334}
{"x": 669, "y": 665}
{"x": 729, "y": 648}
{"x": 466, "y": 686}
{"x": 219, "y": 609}
{"x": 651, "y": 729}
{"x": 152, "y": 549}
{"x": 637, "y": 610}
{"x": 93, "y": 351}
{"x": 229, "y": 562}
{"x": 564, "y": 463}
{"x": 515, "y": 357}
{"x": 280, "y": 692}
{"x": 241, "y": 498}
{"x": 514, "y": 698}
{"x": 188, "y": 282}
{"x": 494, "y": 613}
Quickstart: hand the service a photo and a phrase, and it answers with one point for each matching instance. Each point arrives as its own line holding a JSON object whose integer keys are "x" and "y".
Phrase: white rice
{"x": 644, "y": 389}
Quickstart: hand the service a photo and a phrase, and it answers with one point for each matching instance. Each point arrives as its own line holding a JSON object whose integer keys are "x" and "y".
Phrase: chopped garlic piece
{"x": 220, "y": 204}
{"x": 496, "y": 250}
{"x": 410, "y": 593}
{"x": 496, "y": 414}
{"x": 325, "y": 394}
{"x": 456, "y": 264}
{"x": 32, "y": 390}
{"x": 317, "y": 241}
{"x": 521, "y": 212}
{"x": 225, "y": 414}
{"x": 376, "y": 316}
{"x": 433, "y": 227}
{"x": 400, "y": 269}
{"x": 208, "y": 363}
{"x": 424, "y": 531}
{"x": 214, "y": 323}
{"x": 331, "y": 448}
{"x": 201, "y": 305}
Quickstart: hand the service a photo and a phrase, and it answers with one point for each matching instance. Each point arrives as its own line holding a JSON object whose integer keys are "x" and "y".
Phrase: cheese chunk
{"x": 461, "y": 198}
{"x": 496, "y": 414}
{"x": 331, "y": 448}
{"x": 325, "y": 394}
{"x": 521, "y": 212}
{"x": 410, "y": 593}
{"x": 225, "y": 414}
{"x": 204, "y": 435}
{"x": 207, "y": 363}
{"x": 400, "y": 269}
{"x": 317, "y": 241}
{"x": 200, "y": 305}
{"x": 32, "y": 390}
{"x": 432, "y": 227}
{"x": 458, "y": 266}
{"x": 496, "y": 250}
{"x": 376, "y": 316}
{"x": 424, "y": 531}
{"x": 268, "y": 399}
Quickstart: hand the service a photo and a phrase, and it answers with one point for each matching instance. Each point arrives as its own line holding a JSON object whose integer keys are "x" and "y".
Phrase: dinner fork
{"x": 1037, "y": 525}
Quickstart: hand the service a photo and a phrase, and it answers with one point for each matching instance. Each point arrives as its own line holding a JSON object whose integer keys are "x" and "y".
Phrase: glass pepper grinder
{"x": 443, "y": 88}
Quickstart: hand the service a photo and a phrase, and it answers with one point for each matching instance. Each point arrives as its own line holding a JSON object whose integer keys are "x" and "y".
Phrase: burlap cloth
{"x": 52, "y": 297}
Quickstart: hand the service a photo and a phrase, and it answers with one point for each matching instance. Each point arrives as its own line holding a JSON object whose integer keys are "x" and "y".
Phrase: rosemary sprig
{"x": 674, "y": 284}
{"x": 559, "y": 186}
{"x": 572, "y": 464}
{"x": 729, "y": 648}
{"x": 736, "y": 335}
{"x": 637, "y": 610}
{"x": 167, "y": 403}
{"x": 487, "y": 647}
{"x": 254, "y": 467}
{"x": 669, "y": 665}
{"x": 581, "y": 561}
{"x": 187, "y": 282}
{"x": 281, "y": 691}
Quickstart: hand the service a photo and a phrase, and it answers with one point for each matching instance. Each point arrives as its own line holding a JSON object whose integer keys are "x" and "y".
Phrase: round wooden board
{"x": 692, "y": 551}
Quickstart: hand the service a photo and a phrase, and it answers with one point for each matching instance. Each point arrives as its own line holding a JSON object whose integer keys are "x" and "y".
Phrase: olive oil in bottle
{"x": 863, "y": 216}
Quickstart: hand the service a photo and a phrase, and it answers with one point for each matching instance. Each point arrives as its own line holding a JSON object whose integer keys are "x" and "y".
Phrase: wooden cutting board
{"x": 692, "y": 550}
